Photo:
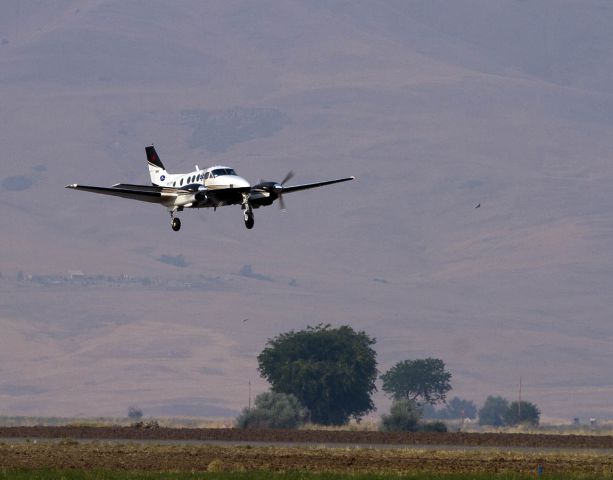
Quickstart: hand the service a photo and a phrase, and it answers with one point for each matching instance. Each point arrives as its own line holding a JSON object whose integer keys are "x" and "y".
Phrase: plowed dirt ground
{"x": 94, "y": 451}
{"x": 105, "y": 456}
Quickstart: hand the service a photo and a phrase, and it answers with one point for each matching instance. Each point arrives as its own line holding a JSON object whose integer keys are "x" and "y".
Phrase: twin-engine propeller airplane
{"x": 212, "y": 187}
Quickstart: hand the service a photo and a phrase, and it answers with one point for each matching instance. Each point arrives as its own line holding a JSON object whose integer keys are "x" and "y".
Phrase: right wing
{"x": 306, "y": 186}
{"x": 144, "y": 193}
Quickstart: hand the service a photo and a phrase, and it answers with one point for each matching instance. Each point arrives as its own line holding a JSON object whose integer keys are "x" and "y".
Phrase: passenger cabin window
{"x": 206, "y": 175}
{"x": 181, "y": 181}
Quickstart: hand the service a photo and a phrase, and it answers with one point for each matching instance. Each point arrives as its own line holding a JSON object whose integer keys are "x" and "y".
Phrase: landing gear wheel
{"x": 249, "y": 221}
{"x": 176, "y": 224}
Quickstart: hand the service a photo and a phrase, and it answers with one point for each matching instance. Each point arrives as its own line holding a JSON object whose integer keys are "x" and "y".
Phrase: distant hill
{"x": 435, "y": 106}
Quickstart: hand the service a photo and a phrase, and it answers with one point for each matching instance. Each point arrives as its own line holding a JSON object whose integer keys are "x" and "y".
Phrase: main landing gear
{"x": 175, "y": 223}
{"x": 248, "y": 216}
{"x": 247, "y": 212}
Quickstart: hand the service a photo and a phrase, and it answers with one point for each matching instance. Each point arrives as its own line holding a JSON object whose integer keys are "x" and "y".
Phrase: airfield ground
{"x": 70, "y": 455}
{"x": 316, "y": 437}
{"x": 186, "y": 450}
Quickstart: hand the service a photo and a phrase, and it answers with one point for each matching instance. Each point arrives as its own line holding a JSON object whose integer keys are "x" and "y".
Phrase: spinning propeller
{"x": 276, "y": 188}
{"x": 279, "y": 189}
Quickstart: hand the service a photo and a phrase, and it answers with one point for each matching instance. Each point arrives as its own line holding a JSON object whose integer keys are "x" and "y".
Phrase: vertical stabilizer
{"x": 157, "y": 172}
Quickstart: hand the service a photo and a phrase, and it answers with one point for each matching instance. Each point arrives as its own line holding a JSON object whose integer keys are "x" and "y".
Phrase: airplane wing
{"x": 144, "y": 193}
{"x": 306, "y": 186}
{"x": 265, "y": 193}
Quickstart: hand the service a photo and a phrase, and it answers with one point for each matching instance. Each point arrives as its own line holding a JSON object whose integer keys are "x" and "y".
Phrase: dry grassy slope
{"x": 434, "y": 107}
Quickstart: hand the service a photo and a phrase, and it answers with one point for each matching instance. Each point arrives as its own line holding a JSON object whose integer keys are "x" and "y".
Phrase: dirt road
{"x": 316, "y": 437}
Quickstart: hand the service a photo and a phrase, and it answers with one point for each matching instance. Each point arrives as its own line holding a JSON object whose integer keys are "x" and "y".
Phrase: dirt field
{"x": 68, "y": 455}
{"x": 315, "y": 437}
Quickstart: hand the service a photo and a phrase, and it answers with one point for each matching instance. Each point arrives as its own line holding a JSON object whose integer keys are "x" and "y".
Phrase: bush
{"x": 135, "y": 413}
{"x": 403, "y": 417}
{"x": 215, "y": 466}
{"x": 456, "y": 408}
{"x": 274, "y": 410}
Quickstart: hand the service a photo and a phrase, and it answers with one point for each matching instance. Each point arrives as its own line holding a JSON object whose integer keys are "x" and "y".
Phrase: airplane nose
{"x": 240, "y": 182}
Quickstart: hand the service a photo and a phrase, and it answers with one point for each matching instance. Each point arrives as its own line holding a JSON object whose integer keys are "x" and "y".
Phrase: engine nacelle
{"x": 185, "y": 200}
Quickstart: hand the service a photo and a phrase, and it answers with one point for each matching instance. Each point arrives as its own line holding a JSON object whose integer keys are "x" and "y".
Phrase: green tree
{"x": 522, "y": 412}
{"x": 493, "y": 411}
{"x": 423, "y": 379}
{"x": 273, "y": 410}
{"x": 403, "y": 417}
{"x": 332, "y": 371}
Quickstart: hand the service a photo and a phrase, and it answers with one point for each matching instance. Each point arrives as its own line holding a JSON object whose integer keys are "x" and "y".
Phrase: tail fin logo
{"x": 162, "y": 178}
{"x": 154, "y": 158}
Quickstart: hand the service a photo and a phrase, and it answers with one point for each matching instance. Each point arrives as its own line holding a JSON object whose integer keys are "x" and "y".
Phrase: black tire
{"x": 249, "y": 222}
{"x": 176, "y": 224}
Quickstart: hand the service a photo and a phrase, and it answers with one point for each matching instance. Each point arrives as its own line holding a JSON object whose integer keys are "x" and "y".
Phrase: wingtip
{"x": 72, "y": 185}
{"x": 352, "y": 177}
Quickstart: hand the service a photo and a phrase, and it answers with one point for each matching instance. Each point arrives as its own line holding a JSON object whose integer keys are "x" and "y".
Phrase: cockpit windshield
{"x": 218, "y": 172}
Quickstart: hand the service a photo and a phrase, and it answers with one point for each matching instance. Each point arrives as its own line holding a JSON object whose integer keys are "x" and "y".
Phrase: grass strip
{"x": 26, "y": 474}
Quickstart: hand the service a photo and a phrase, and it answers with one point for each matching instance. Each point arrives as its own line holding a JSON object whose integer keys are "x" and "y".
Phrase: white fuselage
{"x": 193, "y": 187}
